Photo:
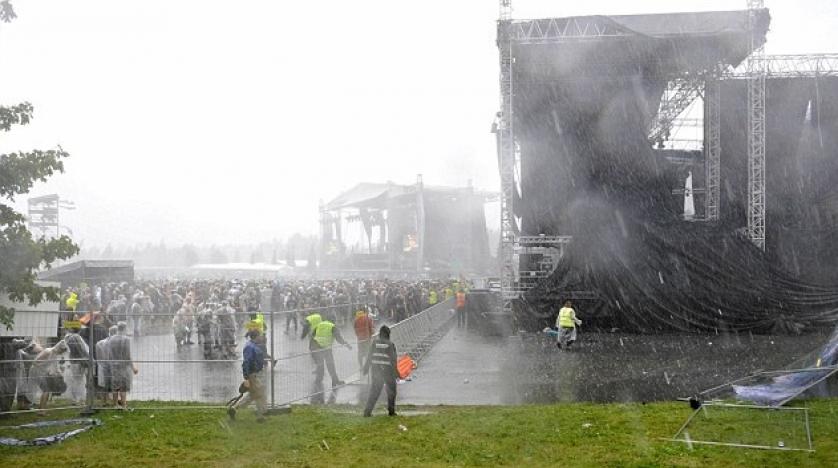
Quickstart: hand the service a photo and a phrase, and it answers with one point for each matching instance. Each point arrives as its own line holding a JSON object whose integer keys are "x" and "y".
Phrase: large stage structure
{"x": 589, "y": 106}
{"x": 406, "y": 228}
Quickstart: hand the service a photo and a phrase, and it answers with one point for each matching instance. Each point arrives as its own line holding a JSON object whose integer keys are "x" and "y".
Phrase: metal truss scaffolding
{"x": 712, "y": 148}
{"x": 679, "y": 94}
{"x": 793, "y": 66}
{"x": 506, "y": 154}
{"x": 543, "y": 253}
{"x": 756, "y": 131}
{"x": 556, "y": 30}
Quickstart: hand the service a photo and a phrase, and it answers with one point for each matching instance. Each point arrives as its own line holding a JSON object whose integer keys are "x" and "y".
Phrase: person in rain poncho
{"x": 566, "y": 324}
{"x": 27, "y": 388}
{"x": 122, "y": 366}
{"x": 46, "y": 372}
{"x": 181, "y": 326}
{"x": 9, "y": 375}
{"x": 76, "y": 373}
{"x": 103, "y": 366}
{"x": 225, "y": 315}
{"x": 140, "y": 308}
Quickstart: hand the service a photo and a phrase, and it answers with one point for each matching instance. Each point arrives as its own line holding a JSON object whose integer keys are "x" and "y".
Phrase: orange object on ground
{"x": 405, "y": 366}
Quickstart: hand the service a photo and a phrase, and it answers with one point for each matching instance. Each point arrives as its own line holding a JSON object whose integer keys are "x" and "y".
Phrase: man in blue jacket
{"x": 253, "y": 371}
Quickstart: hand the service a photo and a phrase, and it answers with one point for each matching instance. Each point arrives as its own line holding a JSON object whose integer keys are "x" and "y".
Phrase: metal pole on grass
{"x": 91, "y": 382}
{"x": 273, "y": 358}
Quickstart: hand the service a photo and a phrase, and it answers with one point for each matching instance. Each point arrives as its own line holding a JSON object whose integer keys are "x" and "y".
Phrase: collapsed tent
{"x": 782, "y": 387}
{"x": 582, "y": 113}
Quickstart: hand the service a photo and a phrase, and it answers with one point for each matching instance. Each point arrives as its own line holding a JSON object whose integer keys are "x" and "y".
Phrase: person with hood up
{"x": 122, "y": 365}
{"x": 46, "y": 372}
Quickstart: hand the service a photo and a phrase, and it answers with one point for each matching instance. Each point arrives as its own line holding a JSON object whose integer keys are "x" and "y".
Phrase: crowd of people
{"x": 216, "y": 313}
{"x": 148, "y": 303}
{"x": 41, "y": 372}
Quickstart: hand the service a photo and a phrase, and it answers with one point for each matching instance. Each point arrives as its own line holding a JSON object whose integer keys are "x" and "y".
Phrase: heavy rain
{"x": 475, "y": 234}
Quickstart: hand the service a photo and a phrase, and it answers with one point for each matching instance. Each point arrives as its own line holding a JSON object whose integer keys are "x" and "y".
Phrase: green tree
{"x": 22, "y": 255}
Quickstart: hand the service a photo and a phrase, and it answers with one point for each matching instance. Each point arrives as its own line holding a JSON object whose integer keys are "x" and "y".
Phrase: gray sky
{"x": 224, "y": 122}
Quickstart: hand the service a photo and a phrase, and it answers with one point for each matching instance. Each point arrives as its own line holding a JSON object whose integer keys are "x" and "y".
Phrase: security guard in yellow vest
{"x": 309, "y": 325}
{"x": 260, "y": 320}
{"x": 566, "y": 325}
{"x": 433, "y": 297}
{"x": 325, "y": 333}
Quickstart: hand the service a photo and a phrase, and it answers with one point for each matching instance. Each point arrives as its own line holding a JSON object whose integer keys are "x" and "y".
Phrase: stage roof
{"x": 704, "y": 23}
{"x": 663, "y": 45}
{"x": 368, "y": 194}
{"x": 91, "y": 270}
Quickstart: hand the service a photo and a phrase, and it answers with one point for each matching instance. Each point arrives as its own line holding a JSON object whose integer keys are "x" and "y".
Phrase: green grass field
{"x": 543, "y": 435}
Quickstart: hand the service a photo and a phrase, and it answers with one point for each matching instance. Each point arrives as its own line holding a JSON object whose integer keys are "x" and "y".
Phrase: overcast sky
{"x": 226, "y": 121}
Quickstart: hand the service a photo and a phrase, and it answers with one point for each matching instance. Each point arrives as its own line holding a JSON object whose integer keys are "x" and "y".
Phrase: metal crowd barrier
{"x": 169, "y": 375}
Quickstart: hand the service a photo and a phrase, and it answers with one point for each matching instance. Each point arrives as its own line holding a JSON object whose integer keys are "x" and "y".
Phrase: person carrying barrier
{"x": 382, "y": 359}
{"x": 566, "y": 324}
{"x": 311, "y": 322}
{"x": 325, "y": 334}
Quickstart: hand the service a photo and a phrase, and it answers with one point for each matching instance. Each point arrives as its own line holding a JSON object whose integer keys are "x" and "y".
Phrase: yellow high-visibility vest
{"x": 260, "y": 319}
{"x": 72, "y": 301}
{"x": 566, "y": 318}
{"x": 323, "y": 333}
{"x": 313, "y": 320}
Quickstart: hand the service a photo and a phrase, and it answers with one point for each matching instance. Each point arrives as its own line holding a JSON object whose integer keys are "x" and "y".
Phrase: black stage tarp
{"x": 582, "y": 113}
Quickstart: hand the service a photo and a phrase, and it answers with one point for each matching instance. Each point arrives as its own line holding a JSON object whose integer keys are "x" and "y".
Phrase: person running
{"x": 566, "y": 324}
{"x": 253, "y": 371}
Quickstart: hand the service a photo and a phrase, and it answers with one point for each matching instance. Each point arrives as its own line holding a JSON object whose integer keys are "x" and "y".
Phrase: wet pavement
{"x": 169, "y": 374}
{"x": 466, "y": 368}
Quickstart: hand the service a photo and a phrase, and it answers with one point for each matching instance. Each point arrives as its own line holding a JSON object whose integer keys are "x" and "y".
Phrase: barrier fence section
{"x": 198, "y": 363}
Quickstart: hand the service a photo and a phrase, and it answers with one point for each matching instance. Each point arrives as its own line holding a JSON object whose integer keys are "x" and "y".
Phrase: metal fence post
{"x": 91, "y": 380}
{"x": 273, "y": 359}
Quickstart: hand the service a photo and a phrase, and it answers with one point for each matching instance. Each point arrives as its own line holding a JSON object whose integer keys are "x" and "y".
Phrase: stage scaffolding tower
{"x": 506, "y": 149}
{"x": 756, "y": 130}
{"x": 712, "y": 147}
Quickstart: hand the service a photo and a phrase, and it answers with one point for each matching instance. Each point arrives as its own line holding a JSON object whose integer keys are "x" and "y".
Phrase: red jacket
{"x": 363, "y": 326}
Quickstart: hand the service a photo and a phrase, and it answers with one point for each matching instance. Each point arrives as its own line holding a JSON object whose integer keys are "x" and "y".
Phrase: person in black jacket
{"x": 382, "y": 359}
